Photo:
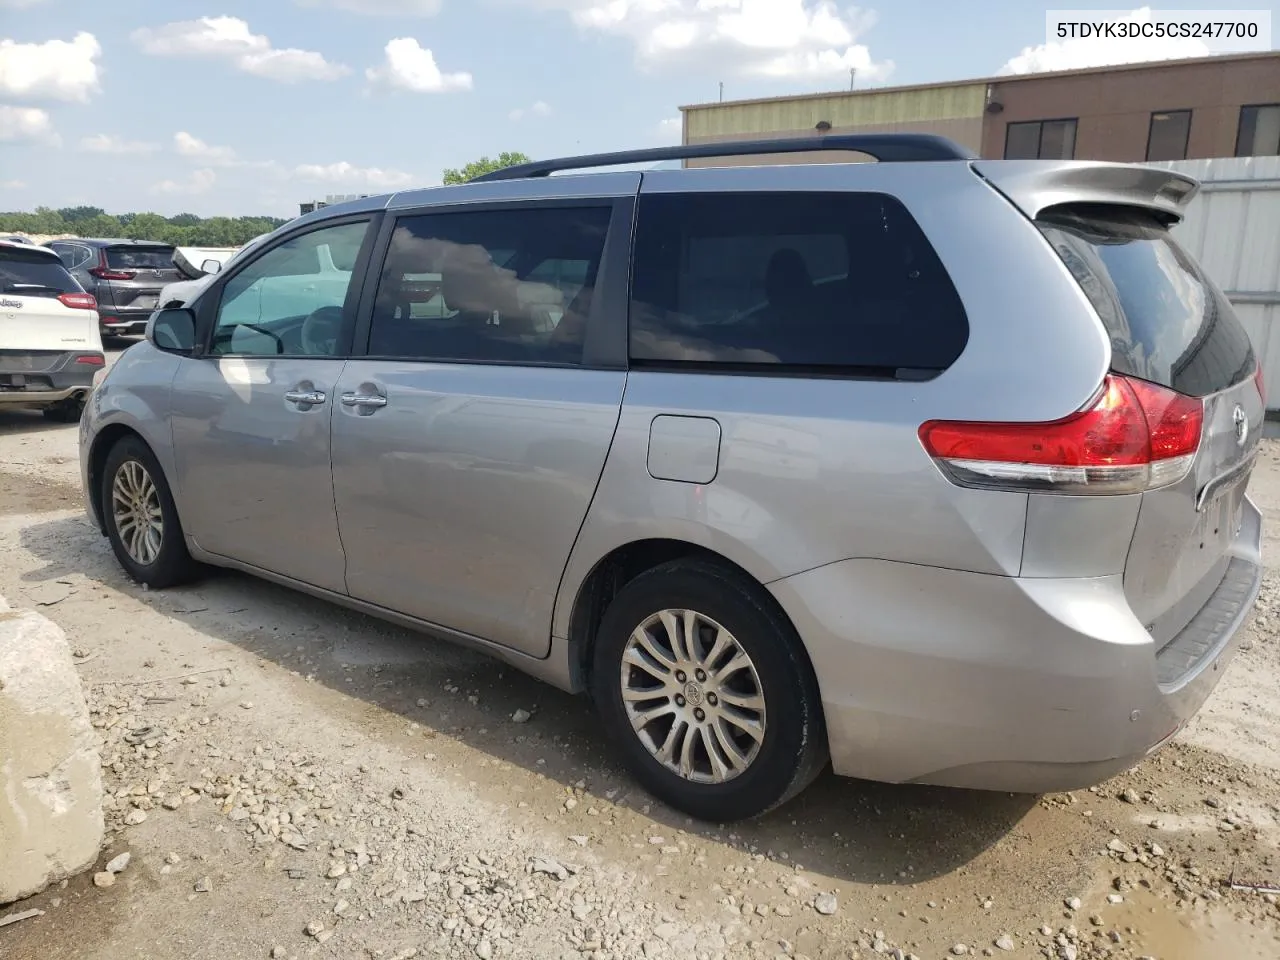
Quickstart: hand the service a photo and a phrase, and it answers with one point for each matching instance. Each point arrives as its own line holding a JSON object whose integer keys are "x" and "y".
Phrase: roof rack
{"x": 885, "y": 147}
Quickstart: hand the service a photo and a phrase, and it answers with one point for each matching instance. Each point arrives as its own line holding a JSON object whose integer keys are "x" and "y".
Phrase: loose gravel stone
{"x": 118, "y": 863}
{"x": 826, "y": 904}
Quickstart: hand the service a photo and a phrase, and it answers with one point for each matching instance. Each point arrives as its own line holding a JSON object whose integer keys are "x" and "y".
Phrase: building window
{"x": 1040, "y": 140}
{"x": 1259, "y": 134}
{"x": 1168, "y": 135}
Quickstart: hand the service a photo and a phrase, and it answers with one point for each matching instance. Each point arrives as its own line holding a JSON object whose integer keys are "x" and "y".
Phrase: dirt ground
{"x": 295, "y": 780}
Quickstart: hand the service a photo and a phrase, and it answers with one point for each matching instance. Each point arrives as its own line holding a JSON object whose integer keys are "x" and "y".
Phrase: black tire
{"x": 66, "y": 411}
{"x": 793, "y": 749}
{"x": 172, "y": 563}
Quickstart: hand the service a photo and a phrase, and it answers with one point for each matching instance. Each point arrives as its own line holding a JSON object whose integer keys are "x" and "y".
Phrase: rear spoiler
{"x": 1034, "y": 185}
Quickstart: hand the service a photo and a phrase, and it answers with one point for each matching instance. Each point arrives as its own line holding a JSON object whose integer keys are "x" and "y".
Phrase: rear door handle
{"x": 309, "y": 397}
{"x": 363, "y": 400}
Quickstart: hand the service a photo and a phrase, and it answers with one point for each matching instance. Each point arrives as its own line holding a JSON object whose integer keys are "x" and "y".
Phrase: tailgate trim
{"x": 1181, "y": 659}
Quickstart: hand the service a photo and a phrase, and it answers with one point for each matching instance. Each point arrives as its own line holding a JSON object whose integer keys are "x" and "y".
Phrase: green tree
{"x": 147, "y": 226}
{"x": 482, "y": 166}
{"x": 185, "y": 220}
{"x": 80, "y": 214}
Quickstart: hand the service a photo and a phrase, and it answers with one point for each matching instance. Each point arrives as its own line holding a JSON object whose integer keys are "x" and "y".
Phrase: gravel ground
{"x": 292, "y": 780}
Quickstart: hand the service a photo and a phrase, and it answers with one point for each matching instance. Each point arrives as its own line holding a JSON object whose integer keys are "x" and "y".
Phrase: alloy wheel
{"x": 693, "y": 696}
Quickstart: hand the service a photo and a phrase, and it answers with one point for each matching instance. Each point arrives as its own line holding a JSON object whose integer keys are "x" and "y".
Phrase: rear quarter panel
{"x": 812, "y": 471}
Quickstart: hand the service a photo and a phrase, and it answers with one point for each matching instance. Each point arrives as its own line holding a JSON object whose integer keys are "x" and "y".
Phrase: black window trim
{"x": 605, "y": 343}
{"x": 210, "y": 301}
{"x": 1074, "y": 121}
{"x": 1240, "y": 124}
{"x": 1186, "y": 140}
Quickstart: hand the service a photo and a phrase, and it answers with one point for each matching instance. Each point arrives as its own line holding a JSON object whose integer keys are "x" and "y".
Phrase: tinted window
{"x": 501, "y": 285}
{"x": 292, "y": 300}
{"x": 30, "y": 273}
{"x": 140, "y": 258}
{"x": 809, "y": 280}
{"x": 1259, "y": 132}
{"x": 1167, "y": 139}
{"x": 1168, "y": 322}
{"x": 1040, "y": 140}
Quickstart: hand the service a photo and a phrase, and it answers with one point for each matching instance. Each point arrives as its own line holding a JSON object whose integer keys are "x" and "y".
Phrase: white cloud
{"x": 229, "y": 39}
{"x": 352, "y": 176}
{"x": 201, "y": 152}
{"x": 802, "y": 39}
{"x": 409, "y": 66}
{"x": 1101, "y": 52}
{"x": 18, "y": 4}
{"x": 540, "y": 108}
{"x": 387, "y": 8}
{"x": 13, "y": 184}
{"x": 55, "y": 70}
{"x": 199, "y": 181}
{"x": 110, "y": 143}
{"x": 26, "y": 123}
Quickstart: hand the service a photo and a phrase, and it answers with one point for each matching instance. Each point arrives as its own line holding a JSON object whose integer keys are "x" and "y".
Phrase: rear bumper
{"x": 123, "y": 322}
{"x": 40, "y": 379}
{"x": 1001, "y": 683}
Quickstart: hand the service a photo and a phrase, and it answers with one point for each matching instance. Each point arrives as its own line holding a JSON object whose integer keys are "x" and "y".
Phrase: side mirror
{"x": 173, "y": 330}
{"x": 211, "y": 266}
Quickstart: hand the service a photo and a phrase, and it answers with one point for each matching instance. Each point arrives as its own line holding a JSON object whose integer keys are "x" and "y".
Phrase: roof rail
{"x": 885, "y": 147}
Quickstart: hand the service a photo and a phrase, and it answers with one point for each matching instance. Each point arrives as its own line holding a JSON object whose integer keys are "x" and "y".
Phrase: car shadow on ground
{"x": 19, "y": 420}
{"x": 851, "y": 830}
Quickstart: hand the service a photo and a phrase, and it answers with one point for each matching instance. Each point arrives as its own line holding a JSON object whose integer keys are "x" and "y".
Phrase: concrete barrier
{"x": 51, "y": 823}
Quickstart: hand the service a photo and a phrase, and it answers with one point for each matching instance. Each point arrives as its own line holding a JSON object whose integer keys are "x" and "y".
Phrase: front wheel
{"x": 706, "y": 689}
{"x": 141, "y": 519}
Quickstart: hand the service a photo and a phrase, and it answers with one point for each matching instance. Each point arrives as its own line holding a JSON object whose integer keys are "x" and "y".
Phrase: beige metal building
{"x": 1219, "y": 106}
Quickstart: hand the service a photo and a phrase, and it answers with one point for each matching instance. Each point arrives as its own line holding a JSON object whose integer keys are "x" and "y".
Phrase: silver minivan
{"x": 933, "y": 468}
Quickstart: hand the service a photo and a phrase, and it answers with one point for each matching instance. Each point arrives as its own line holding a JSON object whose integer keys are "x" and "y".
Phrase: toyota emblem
{"x": 1241, "y": 423}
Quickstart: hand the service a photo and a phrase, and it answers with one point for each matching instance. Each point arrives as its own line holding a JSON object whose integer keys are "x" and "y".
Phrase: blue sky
{"x": 249, "y": 106}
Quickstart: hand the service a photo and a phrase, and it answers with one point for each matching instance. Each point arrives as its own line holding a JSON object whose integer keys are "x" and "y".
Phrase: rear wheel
{"x": 141, "y": 519}
{"x": 66, "y": 411}
{"x": 705, "y": 688}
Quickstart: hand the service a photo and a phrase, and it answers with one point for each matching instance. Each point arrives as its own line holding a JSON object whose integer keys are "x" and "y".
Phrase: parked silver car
{"x": 934, "y": 467}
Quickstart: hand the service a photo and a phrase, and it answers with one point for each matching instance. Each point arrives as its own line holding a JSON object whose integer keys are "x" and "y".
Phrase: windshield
{"x": 34, "y": 274}
{"x": 140, "y": 258}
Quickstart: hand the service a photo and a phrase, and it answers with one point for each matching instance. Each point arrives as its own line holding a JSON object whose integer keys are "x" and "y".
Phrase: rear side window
{"x": 825, "y": 282}
{"x": 140, "y": 258}
{"x": 1167, "y": 320}
{"x": 30, "y": 274}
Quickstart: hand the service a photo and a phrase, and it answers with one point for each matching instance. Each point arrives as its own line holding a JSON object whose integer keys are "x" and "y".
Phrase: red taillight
{"x": 1260, "y": 382}
{"x": 92, "y": 360}
{"x": 104, "y": 272}
{"x": 1134, "y": 436}
{"x": 78, "y": 301}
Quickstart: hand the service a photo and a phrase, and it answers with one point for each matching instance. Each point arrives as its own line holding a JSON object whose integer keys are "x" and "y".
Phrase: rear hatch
{"x": 1170, "y": 325}
{"x": 44, "y": 312}
{"x": 131, "y": 276}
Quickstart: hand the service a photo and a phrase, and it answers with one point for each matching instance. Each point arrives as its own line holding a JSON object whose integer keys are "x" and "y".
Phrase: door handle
{"x": 363, "y": 400}
{"x": 308, "y": 397}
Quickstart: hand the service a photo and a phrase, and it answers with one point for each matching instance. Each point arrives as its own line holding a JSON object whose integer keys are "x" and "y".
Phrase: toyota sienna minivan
{"x": 933, "y": 469}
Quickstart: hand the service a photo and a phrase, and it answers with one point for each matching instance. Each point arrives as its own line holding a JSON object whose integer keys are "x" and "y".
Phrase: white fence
{"x": 1233, "y": 228}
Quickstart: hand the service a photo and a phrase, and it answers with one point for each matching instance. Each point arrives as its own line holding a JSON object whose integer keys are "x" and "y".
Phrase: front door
{"x": 251, "y": 417}
{"x": 468, "y": 444}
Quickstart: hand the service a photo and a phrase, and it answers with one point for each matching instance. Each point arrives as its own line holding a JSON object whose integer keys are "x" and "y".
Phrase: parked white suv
{"x": 50, "y": 347}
